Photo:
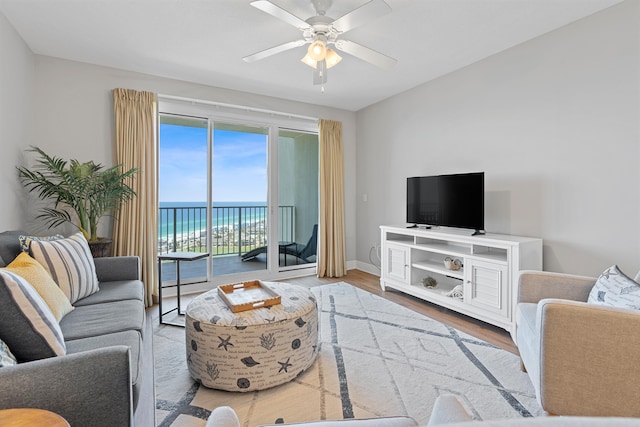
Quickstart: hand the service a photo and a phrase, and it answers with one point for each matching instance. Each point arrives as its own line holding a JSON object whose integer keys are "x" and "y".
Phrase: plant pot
{"x": 101, "y": 247}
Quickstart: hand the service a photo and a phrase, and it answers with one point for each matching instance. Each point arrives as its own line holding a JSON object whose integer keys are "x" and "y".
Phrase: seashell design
{"x": 243, "y": 383}
{"x": 196, "y": 326}
{"x": 249, "y": 361}
{"x": 300, "y": 323}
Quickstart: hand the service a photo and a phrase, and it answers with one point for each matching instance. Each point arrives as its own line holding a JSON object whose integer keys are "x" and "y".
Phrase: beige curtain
{"x": 332, "y": 261}
{"x": 136, "y": 231}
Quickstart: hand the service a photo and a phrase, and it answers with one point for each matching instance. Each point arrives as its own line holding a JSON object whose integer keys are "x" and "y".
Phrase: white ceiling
{"x": 203, "y": 41}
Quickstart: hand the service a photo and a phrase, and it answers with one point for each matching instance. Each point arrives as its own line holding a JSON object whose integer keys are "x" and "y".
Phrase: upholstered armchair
{"x": 583, "y": 358}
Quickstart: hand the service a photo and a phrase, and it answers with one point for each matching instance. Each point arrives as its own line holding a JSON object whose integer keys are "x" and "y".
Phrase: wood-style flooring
{"x": 371, "y": 283}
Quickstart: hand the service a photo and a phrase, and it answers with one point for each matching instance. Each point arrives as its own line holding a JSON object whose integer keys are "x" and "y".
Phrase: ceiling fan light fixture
{"x": 318, "y": 49}
{"x": 332, "y": 58}
{"x": 309, "y": 61}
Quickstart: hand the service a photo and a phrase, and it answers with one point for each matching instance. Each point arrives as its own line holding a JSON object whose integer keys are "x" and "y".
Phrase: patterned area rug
{"x": 377, "y": 358}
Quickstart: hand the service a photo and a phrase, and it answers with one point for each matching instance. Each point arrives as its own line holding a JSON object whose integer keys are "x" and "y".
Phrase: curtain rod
{"x": 235, "y": 107}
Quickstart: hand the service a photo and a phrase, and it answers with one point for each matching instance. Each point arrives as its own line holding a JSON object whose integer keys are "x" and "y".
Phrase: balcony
{"x": 235, "y": 230}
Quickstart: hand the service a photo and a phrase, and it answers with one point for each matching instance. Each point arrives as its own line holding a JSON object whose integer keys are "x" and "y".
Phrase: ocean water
{"x": 190, "y": 218}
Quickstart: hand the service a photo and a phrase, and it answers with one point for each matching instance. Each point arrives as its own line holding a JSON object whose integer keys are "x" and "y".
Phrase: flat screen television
{"x": 447, "y": 200}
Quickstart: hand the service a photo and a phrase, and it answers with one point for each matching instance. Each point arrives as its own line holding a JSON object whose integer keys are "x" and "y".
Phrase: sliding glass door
{"x": 245, "y": 191}
{"x": 297, "y": 198}
{"x": 182, "y": 214}
{"x": 239, "y": 195}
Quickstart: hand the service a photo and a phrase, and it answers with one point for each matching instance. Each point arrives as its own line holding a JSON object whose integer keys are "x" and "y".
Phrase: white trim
{"x": 222, "y": 111}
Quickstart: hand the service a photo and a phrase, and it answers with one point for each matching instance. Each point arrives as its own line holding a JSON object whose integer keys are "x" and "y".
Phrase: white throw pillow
{"x": 6, "y": 357}
{"x": 70, "y": 263}
{"x": 615, "y": 289}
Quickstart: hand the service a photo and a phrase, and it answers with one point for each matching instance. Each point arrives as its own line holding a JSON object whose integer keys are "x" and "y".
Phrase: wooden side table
{"x": 32, "y": 417}
{"x": 177, "y": 257}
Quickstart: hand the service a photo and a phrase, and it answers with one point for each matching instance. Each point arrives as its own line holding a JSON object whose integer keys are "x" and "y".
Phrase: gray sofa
{"x": 108, "y": 362}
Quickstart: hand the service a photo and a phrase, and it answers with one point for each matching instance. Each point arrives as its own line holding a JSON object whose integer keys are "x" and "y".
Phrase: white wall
{"x": 553, "y": 122}
{"x": 16, "y": 120}
{"x": 75, "y": 114}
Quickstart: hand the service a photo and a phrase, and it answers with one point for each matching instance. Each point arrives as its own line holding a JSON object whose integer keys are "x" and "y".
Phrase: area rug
{"x": 376, "y": 359}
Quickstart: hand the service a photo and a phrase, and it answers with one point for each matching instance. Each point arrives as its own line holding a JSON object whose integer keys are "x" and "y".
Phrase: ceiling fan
{"x": 321, "y": 32}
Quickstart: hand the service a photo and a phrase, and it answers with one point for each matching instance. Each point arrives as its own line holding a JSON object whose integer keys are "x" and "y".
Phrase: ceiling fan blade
{"x": 284, "y": 15}
{"x": 371, "y": 56}
{"x": 362, "y": 15}
{"x": 273, "y": 50}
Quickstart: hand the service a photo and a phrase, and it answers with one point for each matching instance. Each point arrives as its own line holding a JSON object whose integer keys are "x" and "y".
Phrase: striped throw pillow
{"x": 27, "y": 325}
{"x": 70, "y": 263}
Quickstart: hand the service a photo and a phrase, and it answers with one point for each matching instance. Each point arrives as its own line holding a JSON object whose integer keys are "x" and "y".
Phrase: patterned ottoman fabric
{"x": 254, "y": 349}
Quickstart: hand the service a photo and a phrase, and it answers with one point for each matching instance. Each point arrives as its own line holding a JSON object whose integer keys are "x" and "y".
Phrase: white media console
{"x": 489, "y": 274}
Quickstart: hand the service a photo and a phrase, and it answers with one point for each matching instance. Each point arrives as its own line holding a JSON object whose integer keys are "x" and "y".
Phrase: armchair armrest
{"x": 115, "y": 268}
{"x": 88, "y": 388}
{"x": 536, "y": 285}
{"x": 588, "y": 359}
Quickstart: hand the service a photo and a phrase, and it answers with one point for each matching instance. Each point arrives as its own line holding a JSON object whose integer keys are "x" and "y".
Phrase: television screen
{"x": 447, "y": 200}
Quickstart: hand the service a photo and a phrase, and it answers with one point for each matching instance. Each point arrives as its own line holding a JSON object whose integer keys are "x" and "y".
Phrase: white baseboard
{"x": 367, "y": 268}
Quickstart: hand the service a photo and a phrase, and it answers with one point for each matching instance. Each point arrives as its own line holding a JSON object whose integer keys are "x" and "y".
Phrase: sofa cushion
{"x": 131, "y": 339}
{"x": 6, "y": 357}
{"x": 27, "y": 324}
{"x": 37, "y": 276}
{"x": 115, "y": 291}
{"x": 70, "y": 263}
{"x": 615, "y": 289}
{"x": 103, "y": 319}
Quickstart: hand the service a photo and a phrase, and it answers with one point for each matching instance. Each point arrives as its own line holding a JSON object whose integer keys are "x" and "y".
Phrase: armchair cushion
{"x": 615, "y": 289}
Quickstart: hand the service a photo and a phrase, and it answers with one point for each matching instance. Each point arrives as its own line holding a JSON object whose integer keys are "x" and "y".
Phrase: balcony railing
{"x": 234, "y": 229}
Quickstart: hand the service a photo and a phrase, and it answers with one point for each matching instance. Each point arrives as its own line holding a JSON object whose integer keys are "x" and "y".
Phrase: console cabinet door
{"x": 396, "y": 263}
{"x": 486, "y": 287}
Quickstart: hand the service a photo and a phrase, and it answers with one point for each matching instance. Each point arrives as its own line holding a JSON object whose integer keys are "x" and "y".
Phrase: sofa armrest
{"x": 536, "y": 285}
{"x": 588, "y": 359}
{"x": 116, "y": 268}
{"x": 88, "y": 388}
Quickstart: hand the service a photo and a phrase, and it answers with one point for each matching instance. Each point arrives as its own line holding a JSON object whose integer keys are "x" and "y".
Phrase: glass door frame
{"x": 251, "y": 117}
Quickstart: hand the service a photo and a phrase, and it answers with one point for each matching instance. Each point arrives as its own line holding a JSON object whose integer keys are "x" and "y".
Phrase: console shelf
{"x": 488, "y": 275}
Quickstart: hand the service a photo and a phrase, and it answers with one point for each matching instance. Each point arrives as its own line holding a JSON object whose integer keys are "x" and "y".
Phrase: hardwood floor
{"x": 371, "y": 283}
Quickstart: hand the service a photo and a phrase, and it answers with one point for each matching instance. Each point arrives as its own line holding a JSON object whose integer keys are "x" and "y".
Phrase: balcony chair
{"x": 582, "y": 357}
{"x": 298, "y": 250}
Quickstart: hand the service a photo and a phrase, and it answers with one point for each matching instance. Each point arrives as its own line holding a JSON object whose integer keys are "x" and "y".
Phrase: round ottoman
{"x": 253, "y": 349}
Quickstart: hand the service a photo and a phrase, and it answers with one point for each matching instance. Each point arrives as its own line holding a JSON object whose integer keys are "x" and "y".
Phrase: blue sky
{"x": 239, "y": 165}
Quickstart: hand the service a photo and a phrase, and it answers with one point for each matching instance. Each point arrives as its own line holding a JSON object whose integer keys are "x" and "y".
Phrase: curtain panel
{"x": 136, "y": 230}
{"x": 332, "y": 260}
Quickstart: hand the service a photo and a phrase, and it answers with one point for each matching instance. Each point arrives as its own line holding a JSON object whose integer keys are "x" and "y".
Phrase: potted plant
{"x": 82, "y": 193}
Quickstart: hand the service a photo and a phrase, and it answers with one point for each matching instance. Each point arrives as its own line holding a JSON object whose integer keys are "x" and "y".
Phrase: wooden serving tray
{"x": 245, "y": 296}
